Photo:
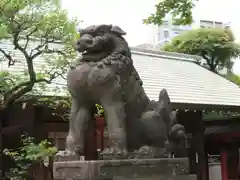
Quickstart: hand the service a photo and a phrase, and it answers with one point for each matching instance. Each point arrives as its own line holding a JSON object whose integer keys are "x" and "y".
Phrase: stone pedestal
{"x": 128, "y": 169}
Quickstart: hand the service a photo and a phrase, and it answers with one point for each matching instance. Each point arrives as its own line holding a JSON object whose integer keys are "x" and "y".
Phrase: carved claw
{"x": 116, "y": 151}
{"x": 150, "y": 152}
{"x": 113, "y": 152}
{"x": 66, "y": 153}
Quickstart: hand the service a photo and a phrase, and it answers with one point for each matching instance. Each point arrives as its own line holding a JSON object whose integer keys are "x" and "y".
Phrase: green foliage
{"x": 181, "y": 11}
{"x": 60, "y": 105}
{"x": 234, "y": 78}
{"x": 9, "y": 81}
{"x": 215, "y": 45}
{"x": 41, "y": 18}
{"x": 36, "y": 29}
{"x": 218, "y": 115}
{"x": 100, "y": 110}
{"x": 28, "y": 154}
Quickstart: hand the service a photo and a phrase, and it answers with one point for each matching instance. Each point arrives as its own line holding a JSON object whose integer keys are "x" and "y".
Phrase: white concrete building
{"x": 213, "y": 24}
{"x": 167, "y": 31}
{"x": 164, "y": 33}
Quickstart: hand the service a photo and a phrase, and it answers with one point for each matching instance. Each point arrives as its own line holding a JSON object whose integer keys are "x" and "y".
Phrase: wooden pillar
{"x": 202, "y": 163}
{"x": 193, "y": 122}
{"x": 224, "y": 170}
{"x": 238, "y": 167}
{"x": 100, "y": 132}
{"x": 206, "y": 164}
{"x": 192, "y": 157}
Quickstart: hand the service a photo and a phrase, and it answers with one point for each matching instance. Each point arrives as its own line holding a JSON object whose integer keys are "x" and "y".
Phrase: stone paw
{"x": 150, "y": 152}
{"x": 67, "y": 155}
{"x": 113, "y": 153}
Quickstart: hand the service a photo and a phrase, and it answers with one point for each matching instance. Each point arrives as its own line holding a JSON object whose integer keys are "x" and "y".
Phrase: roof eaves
{"x": 224, "y": 120}
{"x": 167, "y": 55}
{"x": 203, "y": 107}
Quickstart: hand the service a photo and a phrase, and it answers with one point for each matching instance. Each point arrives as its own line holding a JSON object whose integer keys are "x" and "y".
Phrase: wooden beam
{"x": 56, "y": 127}
{"x": 58, "y": 135}
{"x": 200, "y": 107}
{"x": 11, "y": 130}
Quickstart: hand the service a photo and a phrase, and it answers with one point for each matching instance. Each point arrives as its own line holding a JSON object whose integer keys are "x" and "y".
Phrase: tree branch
{"x": 210, "y": 60}
{"x": 15, "y": 93}
{"x": 204, "y": 55}
{"x": 18, "y": 46}
{"x": 213, "y": 66}
{"x": 26, "y": 84}
{"x": 44, "y": 41}
{"x": 39, "y": 52}
{"x": 29, "y": 60}
{"x": 56, "y": 74}
{"x": 19, "y": 90}
{"x": 29, "y": 35}
{"x": 11, "y": 61}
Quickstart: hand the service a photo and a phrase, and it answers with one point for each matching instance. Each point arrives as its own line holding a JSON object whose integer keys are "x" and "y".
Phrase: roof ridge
{"x": 165, "y": 54}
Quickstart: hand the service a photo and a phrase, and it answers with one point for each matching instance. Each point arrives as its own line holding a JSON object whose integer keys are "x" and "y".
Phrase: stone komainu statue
{"x": 105, "y": 74}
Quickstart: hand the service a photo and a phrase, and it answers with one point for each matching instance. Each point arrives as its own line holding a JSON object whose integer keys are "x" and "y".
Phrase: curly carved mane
{"x": 108, "y": 50}
{"x": 105, "y": 74}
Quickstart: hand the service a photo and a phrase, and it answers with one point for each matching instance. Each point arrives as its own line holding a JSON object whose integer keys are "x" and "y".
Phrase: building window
{"x": 165, "y": 23}
{"x": 159, "y": 36}
{"x": 227, "y": 27}
{"x": 166, "y": 34}
{"x": 176, "y": 33}
{"x": 207, "y": 24}
{"x": 218, "y": 24}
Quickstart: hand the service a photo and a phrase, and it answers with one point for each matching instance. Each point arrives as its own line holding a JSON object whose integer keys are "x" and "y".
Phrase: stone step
{"x": 182, "y": 177}
{"x": 139, "y": 169}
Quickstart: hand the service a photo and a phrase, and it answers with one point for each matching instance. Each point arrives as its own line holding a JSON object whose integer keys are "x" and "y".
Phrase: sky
{"x": 128, "y": 14}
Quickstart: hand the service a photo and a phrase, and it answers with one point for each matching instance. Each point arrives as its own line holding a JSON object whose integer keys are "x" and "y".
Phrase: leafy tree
{"x": 216, "y": 46}
{"x": 181, "y": 11}
{"x": 233, "y": 77}
{"x": 30, "y": 155}
{"x": 36, "y": 29}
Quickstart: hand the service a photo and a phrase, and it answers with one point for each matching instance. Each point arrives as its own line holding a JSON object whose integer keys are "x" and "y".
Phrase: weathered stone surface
{"x": 165, "y": 169}
{"x": 181, "y": 177}
{"x": 71, "y": 170}
{"x": 145, "y": 152}
{"x": 105, "y": 74}
{"x": 140, "y": 168}
{"x": 61, "y": 157}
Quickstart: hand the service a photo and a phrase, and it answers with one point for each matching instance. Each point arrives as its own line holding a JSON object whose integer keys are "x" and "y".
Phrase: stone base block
{"x": 71, "y": 170}
{"x": 149, "y": 169}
